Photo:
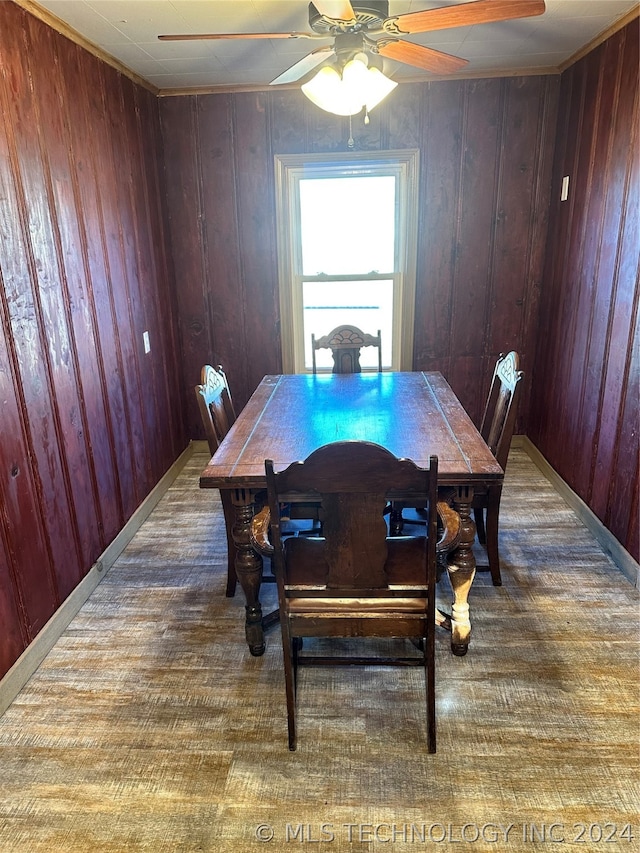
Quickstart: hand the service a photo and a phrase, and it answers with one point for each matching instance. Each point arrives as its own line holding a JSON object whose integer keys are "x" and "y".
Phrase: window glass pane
{"x": 348, "y": 225}
{"x": 366, "y": 304}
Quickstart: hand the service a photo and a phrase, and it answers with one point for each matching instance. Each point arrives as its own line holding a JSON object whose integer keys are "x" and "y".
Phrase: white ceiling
{"x": 127, "y": 30}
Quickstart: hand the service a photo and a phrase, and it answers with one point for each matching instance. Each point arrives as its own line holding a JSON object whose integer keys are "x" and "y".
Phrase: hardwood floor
{"x": 149, "y": 727}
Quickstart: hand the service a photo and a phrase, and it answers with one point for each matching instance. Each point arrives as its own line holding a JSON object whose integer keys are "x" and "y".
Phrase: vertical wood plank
{"x": 511, "y": 260}
{"x": 216, "y": 143}
{"x": 476, "y": 214}
{"x": 483, "y": 116}
{"x": 111, "y": 439}
{"x": 561, "y": 310}
{"x": 13, "y": 640}
{"x": 257, "y": 230}
{"x": 121, "y": 248}
{"x": 534, "y": 346}
{"x": 441, "y": 159}
{"x": 403, "y": 111}
{"x": 595, "y": 347}
{"x": 183, "y": 188}
{"x": 79, "y": 250}
{"x": 111, "y": 291}
{"x": 624, "y": 492}
{"x": 27, "y": 585}
{"x": 551, "y": 356}
{"x": 617, "y": 255}
{"x": 143, "y": 316}
{"x": 166, "y": 363}
{"x": 289, "y": 134}
{"x": 60, "y": 329}
{"x": 582, "y": 285}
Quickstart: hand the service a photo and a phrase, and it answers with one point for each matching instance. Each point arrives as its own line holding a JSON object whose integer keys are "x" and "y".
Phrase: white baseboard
{"x": 29, "y": 661}
{"x": 620, "y": 556}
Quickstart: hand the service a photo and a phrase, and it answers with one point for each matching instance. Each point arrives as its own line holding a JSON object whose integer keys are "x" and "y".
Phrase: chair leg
{"x": 430, "y": 685}
{"x": 492, "y": 545}
{"x": 289, "y": 681}
{"x": 478, "y": 515}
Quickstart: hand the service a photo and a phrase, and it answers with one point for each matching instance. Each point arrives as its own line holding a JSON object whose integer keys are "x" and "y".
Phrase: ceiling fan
{"x": 364, "y": 26}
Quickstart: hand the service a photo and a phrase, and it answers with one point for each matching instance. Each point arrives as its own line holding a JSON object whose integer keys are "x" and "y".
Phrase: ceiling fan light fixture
{"x": 379, "y": 87}
{"x": 346, "y": 94}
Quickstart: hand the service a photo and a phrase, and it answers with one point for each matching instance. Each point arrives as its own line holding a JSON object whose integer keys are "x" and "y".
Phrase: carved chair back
{"x": 215, "y": 404}
{"x": 499, "y": 418}
{"x": 345, "y": 343}
{"x": 218, "y": 416}
{"x": 498, "y": 423}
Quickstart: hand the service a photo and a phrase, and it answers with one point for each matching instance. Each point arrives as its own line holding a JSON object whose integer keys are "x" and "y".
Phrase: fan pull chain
{"x": 350, "y": 142}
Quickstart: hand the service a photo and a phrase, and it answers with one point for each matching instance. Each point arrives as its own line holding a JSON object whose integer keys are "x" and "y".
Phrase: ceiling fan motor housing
{"x": 369, "y": 16}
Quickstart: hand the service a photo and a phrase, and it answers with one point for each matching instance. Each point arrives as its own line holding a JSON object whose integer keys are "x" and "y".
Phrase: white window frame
{"x": 289, "y": 169}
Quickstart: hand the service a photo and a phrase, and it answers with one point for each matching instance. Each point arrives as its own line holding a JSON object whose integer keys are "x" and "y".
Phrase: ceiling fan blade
{"x": 463, "y": 15}
{"x": 420, "y": 56}
{"x": 304, "y": 66}
{"x": 197, "y": 36}
{"x": 337, "y": 10}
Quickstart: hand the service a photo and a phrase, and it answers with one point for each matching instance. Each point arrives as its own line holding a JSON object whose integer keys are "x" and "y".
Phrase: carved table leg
{"x": 248, "y": 570}
{"x": 461, "y": 569}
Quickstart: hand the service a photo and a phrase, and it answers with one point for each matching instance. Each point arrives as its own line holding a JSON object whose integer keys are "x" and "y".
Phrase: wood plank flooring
{"x": 149, "y": 727}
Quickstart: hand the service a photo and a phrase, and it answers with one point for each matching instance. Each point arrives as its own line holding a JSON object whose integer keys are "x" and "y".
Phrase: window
{"x": 347, "y": 247}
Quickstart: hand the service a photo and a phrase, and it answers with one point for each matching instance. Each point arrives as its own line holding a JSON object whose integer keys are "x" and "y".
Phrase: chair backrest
{"x": 499, "y": 419}
{"x": 353, "y": 480}
{"x": 215, "y": 404}
{"x": 345, "y": 343}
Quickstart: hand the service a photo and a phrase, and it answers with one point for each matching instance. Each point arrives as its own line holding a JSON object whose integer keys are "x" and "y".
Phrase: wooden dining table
{"x": 414, "y": 415}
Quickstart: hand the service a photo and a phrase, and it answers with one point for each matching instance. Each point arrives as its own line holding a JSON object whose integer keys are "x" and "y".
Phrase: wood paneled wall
{"x": 88, "y": 422}
{"x": 585, "y": 410}
{"x": 486, "y": 151}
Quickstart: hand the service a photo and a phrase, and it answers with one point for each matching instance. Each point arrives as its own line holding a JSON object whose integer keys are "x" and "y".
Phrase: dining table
{"x": 412, "y": 414}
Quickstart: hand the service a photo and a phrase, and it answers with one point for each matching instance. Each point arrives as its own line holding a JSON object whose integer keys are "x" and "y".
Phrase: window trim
{"x": 289, "y": 168}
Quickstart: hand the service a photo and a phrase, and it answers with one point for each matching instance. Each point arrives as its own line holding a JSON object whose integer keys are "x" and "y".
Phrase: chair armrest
{"x": 450, "y": 521}
{"x": 259, "y": 532}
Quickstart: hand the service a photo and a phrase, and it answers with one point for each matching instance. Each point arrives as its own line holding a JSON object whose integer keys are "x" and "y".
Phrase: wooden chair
{"x": 355, "y": 581}
{"x": 498, "y": 423}
{"x": 218, "y": 416}
{"x": 345, "y": 343}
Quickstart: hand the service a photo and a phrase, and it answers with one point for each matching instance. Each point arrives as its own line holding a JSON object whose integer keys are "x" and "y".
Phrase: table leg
{"x": 248, "y": 569}
{"x": 461, "y": 569}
